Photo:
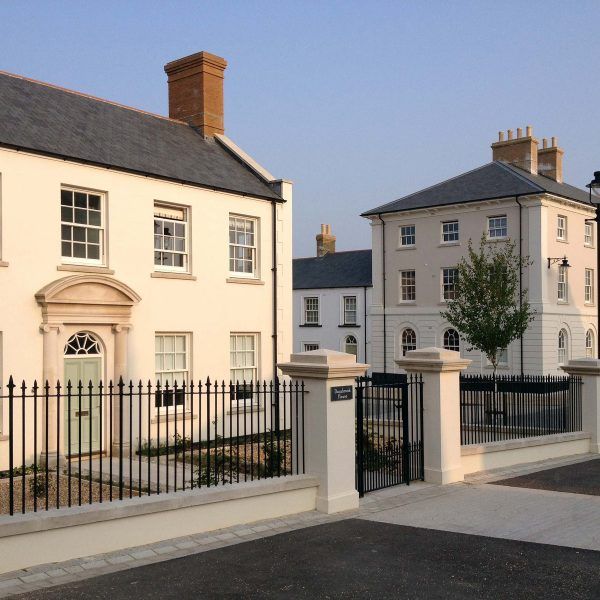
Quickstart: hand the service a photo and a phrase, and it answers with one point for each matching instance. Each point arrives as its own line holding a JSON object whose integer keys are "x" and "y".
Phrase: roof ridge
{"x": 513, "y": 170}
{"x": 375, "y": 210}
{"x": 90, "y": 97}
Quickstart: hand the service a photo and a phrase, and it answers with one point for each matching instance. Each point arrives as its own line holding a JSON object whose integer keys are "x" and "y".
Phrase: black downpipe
{"x": 365, "y": 314}
{"x": 274, "y": 271}
{"x": 383, "y": 281}
{"x": 520, "y": 270}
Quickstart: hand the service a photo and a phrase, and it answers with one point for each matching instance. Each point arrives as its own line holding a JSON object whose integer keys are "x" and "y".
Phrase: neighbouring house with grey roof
{"x": 332, "y": 296}
{"x": 136, "y": 245}
{"x": 419, "y": 239}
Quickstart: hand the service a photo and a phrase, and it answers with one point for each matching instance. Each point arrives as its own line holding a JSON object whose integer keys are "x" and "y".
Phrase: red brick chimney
{"x": 196, "y": 91}
{"x": 325, "y": 241}
{"x": 521, "y": 151}
{"x": 550, "y": 160}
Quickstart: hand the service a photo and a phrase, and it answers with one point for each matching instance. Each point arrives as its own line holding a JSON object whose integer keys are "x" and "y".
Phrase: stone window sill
{"x": 3, "y": 263}
{"x": 170, "y": 416}
{"x": 407, "y": 303}
{"x": 85, "y": 269}
{"x": 562, "y": 241}
{"x": 349, "y": 325}
{"x": 413, "y": 247}
{"x": 446, "y": 244}
{"x": 169, "y": 275}
{"x": 248, "y": 281}
{"x": 310, "y": 325}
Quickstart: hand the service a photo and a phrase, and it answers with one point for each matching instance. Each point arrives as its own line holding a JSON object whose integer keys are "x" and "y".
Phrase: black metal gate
{"x": 389, "y": 431}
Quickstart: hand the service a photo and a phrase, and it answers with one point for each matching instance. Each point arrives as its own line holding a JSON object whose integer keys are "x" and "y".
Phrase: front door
{"x": 83, "y": 416}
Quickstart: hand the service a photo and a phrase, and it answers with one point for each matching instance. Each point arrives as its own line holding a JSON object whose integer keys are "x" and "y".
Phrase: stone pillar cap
{"x": 433, "y": 359}
{"x": 323, "y": 364}
{"x": 582, "y": 366}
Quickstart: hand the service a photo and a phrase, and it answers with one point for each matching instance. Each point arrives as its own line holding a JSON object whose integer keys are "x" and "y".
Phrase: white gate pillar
{"x": 329, "y": 423}
{"x": 589, "y": 371}
{"x": 441, "y": 410}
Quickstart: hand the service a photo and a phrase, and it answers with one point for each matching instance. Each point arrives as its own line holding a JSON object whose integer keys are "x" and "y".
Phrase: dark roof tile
{"x": 337, "y": 270}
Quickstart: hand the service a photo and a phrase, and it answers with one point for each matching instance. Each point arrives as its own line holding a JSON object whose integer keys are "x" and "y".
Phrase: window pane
{"x": 80, "y": 200}
{"x": 93, "y": 252}
{"x": 79, "y": 234}
{"x": 94, "y": 202}
{"x": 169, "y": 343}
{"x": 66, "y": 249}
{"x": 66, "y": 214}
{"x": 95, "y": 218}
{"x": 79, "y": 250}
{"x": 66, "y": 197}
{"x": 66, "y": 232}
{"x": 81, "y": 216}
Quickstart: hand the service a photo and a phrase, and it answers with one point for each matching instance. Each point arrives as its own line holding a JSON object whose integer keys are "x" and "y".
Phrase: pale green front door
{"x": 84, "y": 417}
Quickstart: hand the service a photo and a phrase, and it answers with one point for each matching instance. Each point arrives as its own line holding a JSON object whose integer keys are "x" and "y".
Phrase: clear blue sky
{"x": 357, "y": 102}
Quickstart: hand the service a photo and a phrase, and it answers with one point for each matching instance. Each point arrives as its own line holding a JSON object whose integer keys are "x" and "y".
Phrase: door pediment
{"x": 88, "y": 298}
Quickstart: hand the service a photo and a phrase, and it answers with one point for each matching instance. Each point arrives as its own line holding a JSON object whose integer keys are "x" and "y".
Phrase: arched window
{"x": 82, "y": 343}
{"x": 563, "y": 346}
{"x": 351, "y": 345}
{"x": 451, "y": 340}
{"x": 589, "y": 344}
{"x": 408, "y": 340}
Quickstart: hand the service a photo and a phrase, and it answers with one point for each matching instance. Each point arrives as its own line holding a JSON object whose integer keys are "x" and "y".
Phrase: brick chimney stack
{"x": 521, "y": 151}
{"x": 325, "y": 241}
{"x": 550, "y": 160}
{"x": 196, "y": 91}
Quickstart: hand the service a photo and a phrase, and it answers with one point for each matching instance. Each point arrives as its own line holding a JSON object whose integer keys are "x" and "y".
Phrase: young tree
{"x": 488, "y": 310}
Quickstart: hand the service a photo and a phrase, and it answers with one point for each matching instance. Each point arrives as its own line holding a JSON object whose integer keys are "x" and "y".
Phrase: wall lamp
{"x": 564, "y": 262}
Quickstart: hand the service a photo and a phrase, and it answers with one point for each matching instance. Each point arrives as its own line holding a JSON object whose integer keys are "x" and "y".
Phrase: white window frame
{"x": 590, "y": 339}
{"x": 408, "y": 236}
{"x": 253, "y": 247}
{"x": 561, "y": 228}
{"x": 448, "y": 281}
{"x": 101, "y": 228}
{"x": 165, "y": 218}
{"x": 563, "y": 346}
{"x": 503, "y": 359}
{"x": 408, "y": 290}
{"x": 495, "y": 229}
{"x": 234, "y": 366}
{"x": 346, "y": 310}
{"x": 306, "y": 310}
{"x": 588, "y": 235}
{"x": 562, "y": 292}
{"x": 452, "y": 236}
{"x": 589, "y": 286}
{"x": 166, "y": 374}
{"x": 310, "y": 346}
{"x": 404, "y": 345}
{"x": 450, "y": 331}
{"x": 355, "y": 344}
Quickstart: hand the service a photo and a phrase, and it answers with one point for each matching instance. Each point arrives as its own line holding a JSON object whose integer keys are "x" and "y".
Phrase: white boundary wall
{"x": 495, "y": 455}
{"x": 38, "y": 538}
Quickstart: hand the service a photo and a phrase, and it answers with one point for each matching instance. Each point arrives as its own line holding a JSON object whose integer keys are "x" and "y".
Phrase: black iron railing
{"x": 512, "y": 407}
{"x": 82, "y": 443}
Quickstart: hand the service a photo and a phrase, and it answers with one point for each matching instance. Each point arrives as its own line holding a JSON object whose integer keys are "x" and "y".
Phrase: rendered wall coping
{"x": 434, "y": 360}
{"x": 323, "y": 364}
{"x": 136, "y": 506}
{"x": 541, "y": 440}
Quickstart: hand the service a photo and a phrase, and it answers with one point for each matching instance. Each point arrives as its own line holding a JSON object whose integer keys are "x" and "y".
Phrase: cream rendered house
{"x": 418, "y": 240}
{"x": 137, "y": 245}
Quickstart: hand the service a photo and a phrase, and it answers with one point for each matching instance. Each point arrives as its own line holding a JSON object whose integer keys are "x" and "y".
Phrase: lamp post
{"x": 594, "y": 185}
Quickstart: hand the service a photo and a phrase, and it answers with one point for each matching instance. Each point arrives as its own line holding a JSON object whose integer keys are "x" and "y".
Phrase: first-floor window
{"x": 451, "y": 340}
{"x": 497, "y": 227}
{"x": 449, "y": 279}
{"x": 563, "y": 290}
{"x": 349, "y": 310}
{"x": 449, "y": 232}
{"x": 171, "y": 363}
{"x": 309, "y": 346}
{"x": 408, "y": 287}
{"x": 351, "y": 345}
{"x": 408, "y": 340}
{"x": 407, "y": 235}
{"x": 561, "y": 227}
{"x": 589, "y": 286}
{"x": 589, "y": 344}
{"x": 82, "y": 226}
{"x": 311, "y": 310}
{"x": 588, "y": 239}
{"x": 563, "y": 346}
{"x": 242, "y": 246}
{"x": 170, "y": 238}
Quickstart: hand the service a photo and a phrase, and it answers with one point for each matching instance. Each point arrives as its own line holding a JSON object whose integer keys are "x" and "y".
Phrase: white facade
{"x": 337, "y": 327}
{"x": 572, "y": 319}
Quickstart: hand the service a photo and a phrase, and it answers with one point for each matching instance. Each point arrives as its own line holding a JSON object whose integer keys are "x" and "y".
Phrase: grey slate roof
{"x": 48, "y": 120}
{"x": 494, "y": 180}
{"x": 337, "y": 270}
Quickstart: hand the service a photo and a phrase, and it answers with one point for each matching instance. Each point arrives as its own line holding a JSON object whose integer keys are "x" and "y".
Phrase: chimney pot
{"x": 501, "y": 136}
{"x": 196, "y": 91}
{"x": 544, "y": 143}
{"x": 529, "y": 131}
{"x": 325, "y": 241}
{"x": 510, "y": 134}
{"x": 519, "y": 132}
{"x": 554, "y": 142}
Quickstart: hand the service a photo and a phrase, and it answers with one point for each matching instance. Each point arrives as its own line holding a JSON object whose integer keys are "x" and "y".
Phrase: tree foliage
{"x": 488, "y": 310}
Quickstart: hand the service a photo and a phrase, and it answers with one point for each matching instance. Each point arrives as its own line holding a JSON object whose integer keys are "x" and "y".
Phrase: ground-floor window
{"x": 243, "y": 361}
{"x": 589, "y": 344}
{"x": 351, "y": 345}
{"x": 451, "y": 340}
{"x": 563, "y": 342}
{"x": 408, "y": 340}
{"x": 171, "y": 363}
{"x": 309, "y": 346}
